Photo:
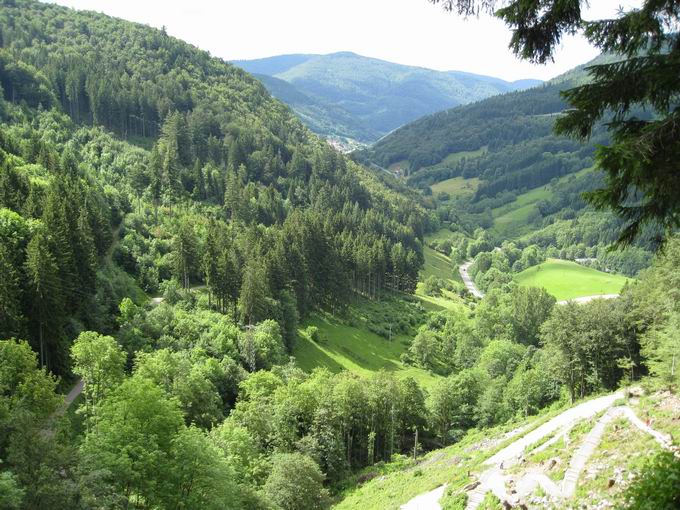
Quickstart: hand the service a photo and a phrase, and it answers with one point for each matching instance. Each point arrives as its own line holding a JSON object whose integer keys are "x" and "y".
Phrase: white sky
{"x": 412, "y": 32}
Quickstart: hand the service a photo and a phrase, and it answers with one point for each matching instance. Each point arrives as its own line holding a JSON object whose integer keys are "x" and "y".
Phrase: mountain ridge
{"x": 365, "y": 98}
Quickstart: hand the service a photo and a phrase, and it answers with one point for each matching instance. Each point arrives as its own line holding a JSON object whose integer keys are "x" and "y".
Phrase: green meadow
{"x": 513, "y": 219}
{"x": 456, "y": 186}
{"x": 344, "y": 347}
{"x": 567, "y": 280}
{"x": 439, "y": 265}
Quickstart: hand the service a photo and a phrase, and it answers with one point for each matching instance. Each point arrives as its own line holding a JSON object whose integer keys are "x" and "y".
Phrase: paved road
{"x": 463, "y": 270}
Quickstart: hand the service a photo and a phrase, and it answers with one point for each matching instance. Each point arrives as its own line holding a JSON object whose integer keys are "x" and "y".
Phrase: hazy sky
{"x": 412, "y": 32}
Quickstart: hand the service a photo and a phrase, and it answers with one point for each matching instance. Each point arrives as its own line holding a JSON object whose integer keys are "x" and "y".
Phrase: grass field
{"x": 436, "y": 264}
{"x": 511, "y": 219}
{"x": 439, "y": 265}
{"x": 456, "y": 186}
{"x": 515, "y": 215}
{"x": 344, "y": 347}
{"x": 439, "y": 235}
{"x": 567, "y": 280}
{"x": 447, "y": 301}
{"x": 455, "y": 157}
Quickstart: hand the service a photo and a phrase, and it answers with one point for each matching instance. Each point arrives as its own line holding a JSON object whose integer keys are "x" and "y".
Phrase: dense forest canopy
{"x": 230, "y": 171}
{"x": 514, "y": 130}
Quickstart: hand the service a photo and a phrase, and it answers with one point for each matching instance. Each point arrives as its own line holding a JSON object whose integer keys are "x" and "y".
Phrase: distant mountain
{"x": 272, "y": 66}
{"x": 506, "y": 141}
{"x": 347, "y": 95}
{"x": 321, "y": 117}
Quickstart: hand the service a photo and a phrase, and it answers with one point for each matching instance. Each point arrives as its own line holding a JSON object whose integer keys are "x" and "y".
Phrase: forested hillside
{"x": 320, "y": 116}
{"x": 513, "y": 130}
{"x": 497, "y": 164}
{"x": 133, "y": 164}
{"x": 229, "y": 171}
{"x": 351, "y": 96}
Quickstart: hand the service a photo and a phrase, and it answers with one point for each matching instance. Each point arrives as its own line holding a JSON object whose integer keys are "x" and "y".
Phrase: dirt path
{"x": 588, "y": 299}
{"x": 78, "y": 386}
{"x": 427, "y": 501}
{"x": 155, "y": 301}
{"x": 495, "y": 480}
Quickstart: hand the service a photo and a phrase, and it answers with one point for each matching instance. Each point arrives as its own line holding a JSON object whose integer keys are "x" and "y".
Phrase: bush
{"x": 433, "y": 286}
{"x": 455, "y": 501}
{"x": 313, "y": 334}
{"x": 657, "y": 485}
{"x": 296, "y": 482}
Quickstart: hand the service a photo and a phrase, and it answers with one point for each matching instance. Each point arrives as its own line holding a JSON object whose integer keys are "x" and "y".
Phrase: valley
{"x": 324, "y": 280}
{"x": 350, "y": 98}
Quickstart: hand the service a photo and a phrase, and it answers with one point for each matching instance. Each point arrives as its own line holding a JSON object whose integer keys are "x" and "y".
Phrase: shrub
{"x": 296, "y": 482}
{"x": 657, "y": 485}
{"x": 455, "y": 501}
{"x": 313, "y": 334}
{"x": 433, "y": 286}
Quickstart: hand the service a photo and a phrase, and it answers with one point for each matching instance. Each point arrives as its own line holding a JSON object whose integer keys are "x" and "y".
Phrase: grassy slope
{"x": 456, "y": 186}
{"x": 357, "y": 349}
{"x": 514, "y": 215}
{"x": 454, "y": 465}
{"x": 343, "y": 347}
{"x": 455, "y": 157}
{"x": 439, "y": 265}
{"x": 566, "y": 280}
{"x": 511, "y": 219}
{"x": 623, "y": 450}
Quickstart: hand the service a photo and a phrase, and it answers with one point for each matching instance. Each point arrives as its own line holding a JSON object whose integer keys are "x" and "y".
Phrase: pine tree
{"x": 44, "y": 283}
{"x": 57, "y": 223}
{"x": 642, "y": 170}
{"x": 254, "y": 292}
{"x": 10, "y": 297}
{"x": 185, "y": 254}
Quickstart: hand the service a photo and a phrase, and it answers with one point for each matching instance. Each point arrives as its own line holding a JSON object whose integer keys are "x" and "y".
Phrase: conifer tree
{"x": 46, "y": 296}
{"x": 185, "y": 253}
{"x": 10, "y": 296}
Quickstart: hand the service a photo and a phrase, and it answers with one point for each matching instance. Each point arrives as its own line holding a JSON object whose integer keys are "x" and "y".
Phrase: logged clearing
{"x": 568, "y": 280}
